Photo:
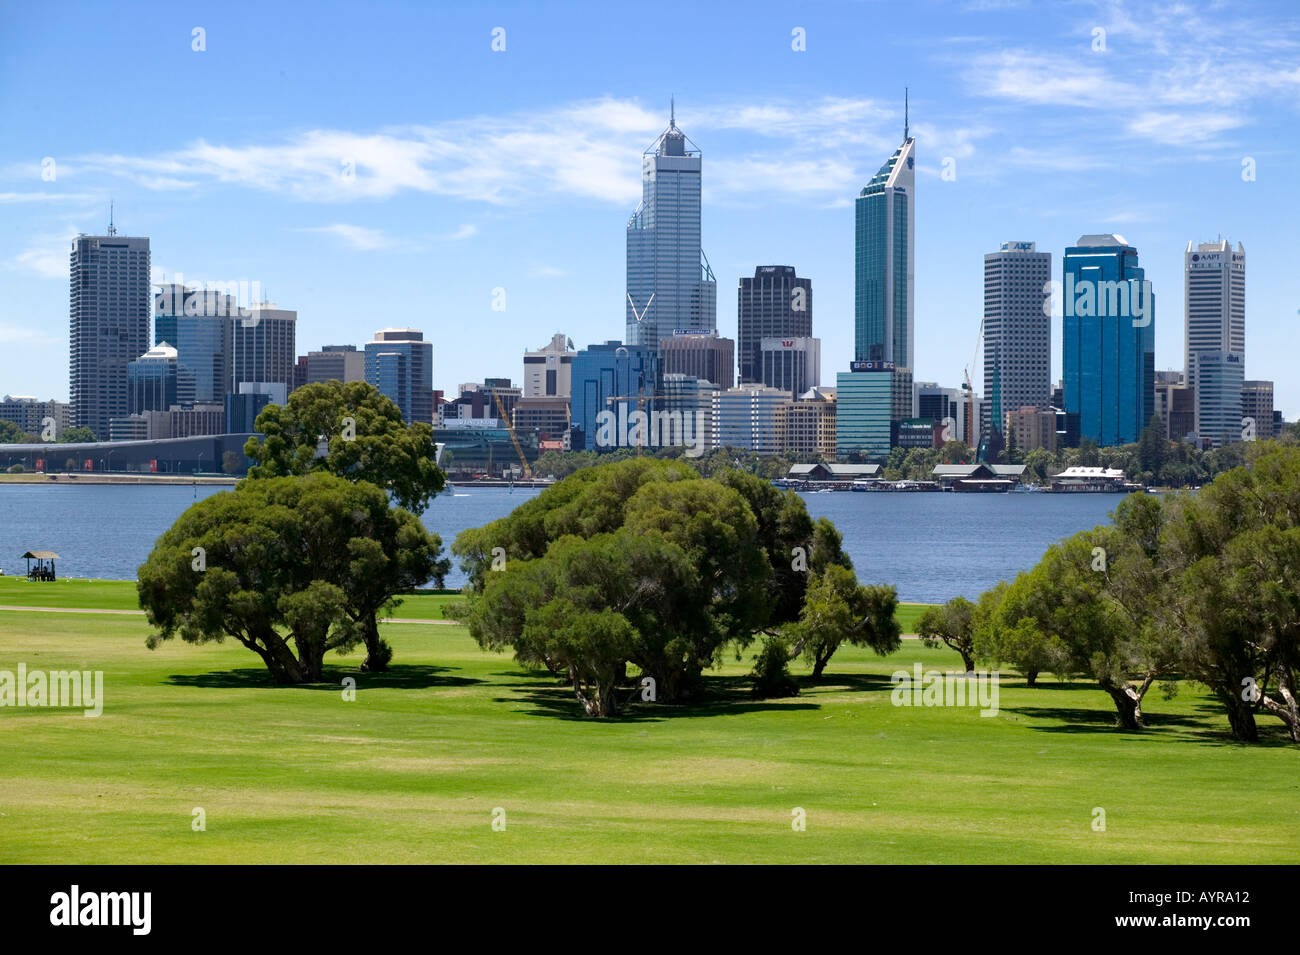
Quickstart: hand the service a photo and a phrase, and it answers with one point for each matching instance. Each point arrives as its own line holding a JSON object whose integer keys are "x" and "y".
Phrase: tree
{"x": 956, "y": 452}
{"x": 952, "y": 624}
{"x": 231, "y": 462}
{"x": 1152, "y": 446}
{"x": 1091, "y": 606}
{"x": 771, "y": 672}
{"x": 11, "y": 433}
{"x": 839, "y": 609}
{"x": 350, "y": 430}
{"x": 689, "y": 564}
{"x": 1232, "y": 552}
{"x": 78, "y": 435}
{"x": 316, "y": 557}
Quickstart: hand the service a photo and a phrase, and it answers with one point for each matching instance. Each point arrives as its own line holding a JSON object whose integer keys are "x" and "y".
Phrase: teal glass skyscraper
{"x": 670, "y": 287}
{"x": 884, "y": 264}
{"x": 1108, "y": 339}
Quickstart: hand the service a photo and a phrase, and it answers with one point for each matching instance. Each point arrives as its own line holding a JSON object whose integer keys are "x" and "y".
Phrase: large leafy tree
{"x": 1232, "y": 554}
{"x": 1092, "y": 606}
{"x": 668, "y": 568}
{"x": 291, "y": 568}
{"x": 952, "y": 624}
{"x": 838, "y": 610}
{"x": 350, "y": 430}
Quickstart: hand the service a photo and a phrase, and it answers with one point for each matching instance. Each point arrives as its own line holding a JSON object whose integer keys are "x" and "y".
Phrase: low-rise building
{"x": 1082, "y": 478}
{"x": 978, "y": 477}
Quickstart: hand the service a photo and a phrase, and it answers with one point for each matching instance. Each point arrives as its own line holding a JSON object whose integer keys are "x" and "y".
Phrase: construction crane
{"x": 510, "y": 429}
{"x": 640, "y": 398}
{"x": 970, "y": 388}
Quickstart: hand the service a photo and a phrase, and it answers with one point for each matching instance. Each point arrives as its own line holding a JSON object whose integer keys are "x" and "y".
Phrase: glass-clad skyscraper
{"x": 884, "y": 264}
{"x": 670, "y": 286}
{"x": 1108, "y": 339}
{"x": 607, "y": 377}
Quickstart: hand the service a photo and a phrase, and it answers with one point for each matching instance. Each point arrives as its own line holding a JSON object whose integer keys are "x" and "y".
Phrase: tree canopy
{"x": 661, "y": 567}
{"x": 292, "y": 568}
{"x": 350, "y": 430}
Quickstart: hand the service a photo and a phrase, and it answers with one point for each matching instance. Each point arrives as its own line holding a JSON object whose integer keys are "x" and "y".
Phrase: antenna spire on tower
{"x": 672, "y": 112}
{"x": 112, "y": 229}
{"x": 905, "y": 123}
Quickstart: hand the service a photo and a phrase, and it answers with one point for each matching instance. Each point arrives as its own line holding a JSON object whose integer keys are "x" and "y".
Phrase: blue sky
{"x": 476, "y": 170}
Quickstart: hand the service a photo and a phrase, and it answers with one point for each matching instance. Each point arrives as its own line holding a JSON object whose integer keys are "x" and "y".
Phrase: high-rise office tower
{"x": 109, "y": 306}
{"x": 670, "y": 286}
{"x": 1214, "y": 285}
{"x": 791, "y": 364}
{"x": 884, "y": 264}
{"x": 265, "y": 346}
{"x": 1108, "y": 339}
{"x": 399, "y": 362}
{"x": 707, "y": 357}
{"x": 864, "y": 409}
{"x": 1017, "y": 331}
{"x": 200, "y": 325}
{"x": 775, "y": 303}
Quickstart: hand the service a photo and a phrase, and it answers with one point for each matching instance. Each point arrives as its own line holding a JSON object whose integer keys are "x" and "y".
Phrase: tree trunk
{"x": 1031, "y": 677}
{"x": 1128, "y": 705}
{"x": 378, "y": 653}
{"x": 967, "y": 660}
{"x": 1288, "y": 711}
{"x": 1241, "y": 715}
{"x": 819, "y": 663}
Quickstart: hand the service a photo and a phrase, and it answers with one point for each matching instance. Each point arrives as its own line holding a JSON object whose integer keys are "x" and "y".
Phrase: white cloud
{"x": 1179, "y": 129}
{"x": 359, "y": 237}
{"x": 466, "y": 231}
{"x": 577, "y": 150}
{"x": 47, "y": 257}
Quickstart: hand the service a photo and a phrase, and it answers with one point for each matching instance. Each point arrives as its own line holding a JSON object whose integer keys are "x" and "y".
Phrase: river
{"x": 930, "y": 546}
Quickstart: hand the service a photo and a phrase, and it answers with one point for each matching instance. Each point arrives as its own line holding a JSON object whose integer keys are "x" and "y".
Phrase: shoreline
{"x": 89, "y": 477}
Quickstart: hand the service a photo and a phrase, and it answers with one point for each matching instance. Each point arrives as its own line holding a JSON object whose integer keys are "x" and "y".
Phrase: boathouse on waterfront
{"x": 978, "y": 477}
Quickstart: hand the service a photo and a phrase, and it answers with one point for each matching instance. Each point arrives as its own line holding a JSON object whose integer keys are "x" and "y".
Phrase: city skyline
{"x": 784, "y": 167}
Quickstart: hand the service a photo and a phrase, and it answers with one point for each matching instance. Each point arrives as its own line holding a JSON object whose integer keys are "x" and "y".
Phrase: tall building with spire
{"x": 670, "y": 286}
{"x": 884, "y": 262}
{"x": 109, "y": 305}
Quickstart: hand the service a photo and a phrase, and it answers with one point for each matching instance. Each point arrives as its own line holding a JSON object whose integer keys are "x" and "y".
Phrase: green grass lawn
{"x": 413, "y": 769}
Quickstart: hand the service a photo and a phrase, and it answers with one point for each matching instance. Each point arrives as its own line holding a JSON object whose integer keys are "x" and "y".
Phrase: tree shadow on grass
{"x": 1079, "y": 720}
{"x": 716, "y": 696}
{"x": 398, "y": 677}
{"x": 852, "y": 682}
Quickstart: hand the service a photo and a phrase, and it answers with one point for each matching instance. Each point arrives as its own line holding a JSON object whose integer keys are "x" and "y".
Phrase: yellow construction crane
{"x": 510, "y": 429}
